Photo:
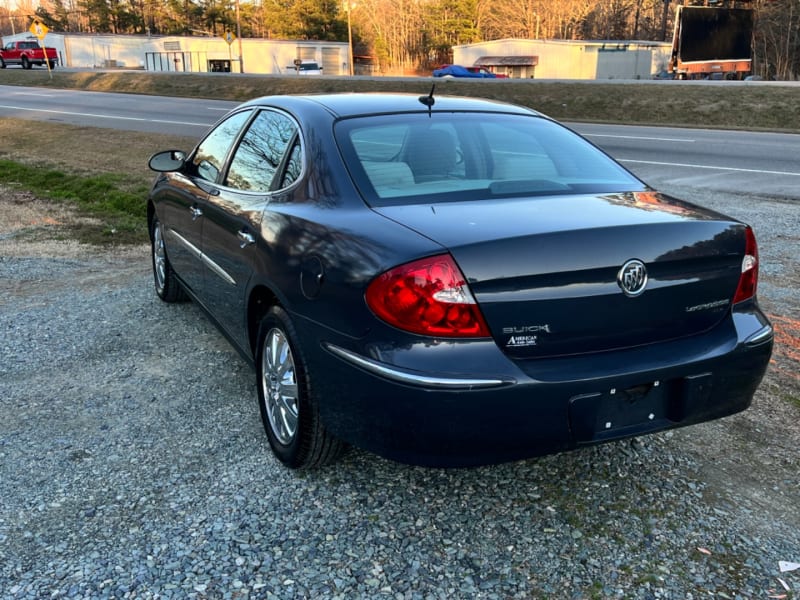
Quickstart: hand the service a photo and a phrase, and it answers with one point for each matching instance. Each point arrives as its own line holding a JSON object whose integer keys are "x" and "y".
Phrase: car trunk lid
{"x": 548, "y": 273}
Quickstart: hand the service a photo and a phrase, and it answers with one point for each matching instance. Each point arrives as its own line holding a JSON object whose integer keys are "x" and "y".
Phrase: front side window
{"x": 261, "y": 152}
{"x": 211, "y": 153}
{"x": 397, "y": 159}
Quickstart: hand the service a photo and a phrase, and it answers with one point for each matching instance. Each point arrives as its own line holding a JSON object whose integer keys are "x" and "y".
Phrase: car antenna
{"x": 428, "y": 100}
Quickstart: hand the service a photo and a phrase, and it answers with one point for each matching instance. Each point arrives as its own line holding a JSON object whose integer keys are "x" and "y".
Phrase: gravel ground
{"x": 133, "y": 465}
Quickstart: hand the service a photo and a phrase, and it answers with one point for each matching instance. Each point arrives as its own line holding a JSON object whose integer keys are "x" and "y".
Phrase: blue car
{"x": 459, "y": 71}
{"x": 450, "y": 281}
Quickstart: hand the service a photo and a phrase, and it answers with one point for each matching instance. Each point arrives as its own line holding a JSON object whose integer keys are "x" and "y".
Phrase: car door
{"x": 183, "y": 206}
{"x": 232, "y": 216}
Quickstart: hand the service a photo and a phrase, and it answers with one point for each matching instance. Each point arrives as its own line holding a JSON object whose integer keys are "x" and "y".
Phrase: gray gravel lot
{"x": 133, "y": 464}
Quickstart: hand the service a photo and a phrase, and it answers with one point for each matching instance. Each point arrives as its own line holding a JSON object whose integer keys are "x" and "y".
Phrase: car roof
{"x": 350, "y": 105}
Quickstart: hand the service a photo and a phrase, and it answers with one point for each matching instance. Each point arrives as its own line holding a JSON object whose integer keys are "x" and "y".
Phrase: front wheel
{"x": 289, "y": 410}
{"x": 2, "y": 64}
{"x": 168, "y": 288}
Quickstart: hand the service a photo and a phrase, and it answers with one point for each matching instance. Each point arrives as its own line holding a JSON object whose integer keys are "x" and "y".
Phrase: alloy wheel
{"x": 159, "y": 257}
{"x": 279, "y": 386}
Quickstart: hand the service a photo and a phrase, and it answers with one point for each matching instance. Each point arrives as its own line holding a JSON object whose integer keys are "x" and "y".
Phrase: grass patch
{"x": 114, "y": 203}
{"x": 102, "y": 173}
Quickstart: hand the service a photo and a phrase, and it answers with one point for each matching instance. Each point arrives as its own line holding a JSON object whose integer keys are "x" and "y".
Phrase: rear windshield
{"x": 410, "y": 158}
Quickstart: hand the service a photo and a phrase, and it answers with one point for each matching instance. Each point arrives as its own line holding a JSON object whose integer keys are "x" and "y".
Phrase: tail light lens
{"x": 429, "y": 297}
{"x": 748, "y": 281}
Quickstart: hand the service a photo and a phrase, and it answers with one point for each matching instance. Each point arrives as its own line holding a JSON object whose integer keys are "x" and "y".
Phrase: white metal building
{"x": 191, "y": 54}
{"x": 564, "y": 59}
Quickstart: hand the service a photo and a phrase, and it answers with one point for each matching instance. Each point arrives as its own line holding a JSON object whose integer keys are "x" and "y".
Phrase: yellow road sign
{"x": 229, "y": 37}
{"x": 39, "y": 29}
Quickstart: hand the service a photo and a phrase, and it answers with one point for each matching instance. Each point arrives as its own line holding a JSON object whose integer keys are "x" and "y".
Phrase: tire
{"x": 2, "y": 64}
{"x": 26, "y": 64}
{"x": 168, "y": 288}
{"x": 52, "y": 64}
{"x": 289, "y": 411}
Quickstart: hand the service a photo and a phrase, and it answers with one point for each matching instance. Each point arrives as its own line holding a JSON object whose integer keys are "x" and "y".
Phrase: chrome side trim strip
{"x": 185, "y": 243}
{"x": 412, "y": 378}
{"x": 762, "y": 335}
{"x": 219, "y": 271}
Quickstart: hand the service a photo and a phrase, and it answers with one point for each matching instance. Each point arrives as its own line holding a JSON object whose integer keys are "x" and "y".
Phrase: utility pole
{"x": 349, "y": 39}
{"x": 239, "y": 35}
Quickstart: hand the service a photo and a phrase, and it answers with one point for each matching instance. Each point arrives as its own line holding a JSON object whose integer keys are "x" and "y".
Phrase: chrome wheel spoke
{"x": 279, "y": 386}
{"x": 159, "y": 256}
{"x": 289, "y": 390}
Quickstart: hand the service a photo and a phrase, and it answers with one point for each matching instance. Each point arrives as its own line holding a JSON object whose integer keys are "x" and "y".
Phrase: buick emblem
{"x": 632, "y": 278}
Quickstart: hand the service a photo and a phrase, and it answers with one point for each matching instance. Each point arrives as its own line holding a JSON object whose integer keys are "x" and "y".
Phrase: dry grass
{"x": 83, "y": 150}
{"x": 723, "y": 104}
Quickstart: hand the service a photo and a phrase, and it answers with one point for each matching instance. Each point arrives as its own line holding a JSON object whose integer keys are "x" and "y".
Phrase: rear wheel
{"x": 168, "y": 288}
{"x": 289, "y": 411}
{"x": 26, "y": 64}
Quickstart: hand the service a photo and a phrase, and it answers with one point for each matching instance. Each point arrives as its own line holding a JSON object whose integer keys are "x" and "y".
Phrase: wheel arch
{"x": 261, "y": 299}
{"x": 151, "y": 212}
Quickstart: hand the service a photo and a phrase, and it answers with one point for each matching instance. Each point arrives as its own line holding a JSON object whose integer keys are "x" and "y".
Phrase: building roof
{"x": 507, "y": 61}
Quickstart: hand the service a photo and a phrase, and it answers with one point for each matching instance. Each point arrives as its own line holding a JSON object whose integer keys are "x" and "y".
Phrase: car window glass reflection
{"x": 402, "y": 159}
{"x": 294, "y": 165}
{"x": 211, "y": 152}
{"x": 260, "y": 152}
{"x": 381, "y": 143}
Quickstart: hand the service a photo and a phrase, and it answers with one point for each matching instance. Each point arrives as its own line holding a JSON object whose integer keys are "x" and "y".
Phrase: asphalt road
{"x": 762, "y": 163}
{"x": 767, "y": 164}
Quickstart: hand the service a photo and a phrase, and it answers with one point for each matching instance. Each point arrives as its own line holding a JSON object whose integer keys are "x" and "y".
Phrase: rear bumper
{"x": 460, "y": 404}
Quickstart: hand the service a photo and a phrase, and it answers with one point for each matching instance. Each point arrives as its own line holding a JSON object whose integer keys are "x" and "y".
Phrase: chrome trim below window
{"x": 219, "y": 271}
{"x": 411, "y": 378}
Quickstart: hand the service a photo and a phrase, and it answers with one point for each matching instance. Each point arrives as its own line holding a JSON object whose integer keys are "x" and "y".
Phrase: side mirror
{"x": 167, "y": 161}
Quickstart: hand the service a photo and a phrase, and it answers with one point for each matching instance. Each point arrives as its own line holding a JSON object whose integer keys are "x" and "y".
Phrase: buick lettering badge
{"x": 632, "y": 278}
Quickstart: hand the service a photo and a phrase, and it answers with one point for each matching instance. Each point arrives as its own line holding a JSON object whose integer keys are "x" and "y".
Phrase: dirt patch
{"x": 30, "y": 226}
{"x": 34, "y": 228}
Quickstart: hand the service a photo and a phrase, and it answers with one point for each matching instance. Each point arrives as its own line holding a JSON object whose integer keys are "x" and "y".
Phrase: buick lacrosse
{"x": 451, "y": 281}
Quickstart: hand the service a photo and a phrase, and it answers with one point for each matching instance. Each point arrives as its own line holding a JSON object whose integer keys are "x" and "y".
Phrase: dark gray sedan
{"x": 449, "y": 281}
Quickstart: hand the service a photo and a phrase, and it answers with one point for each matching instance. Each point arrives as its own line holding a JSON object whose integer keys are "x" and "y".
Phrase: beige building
{"x": 192, "y": 54}
{"x": 562, "y": 59}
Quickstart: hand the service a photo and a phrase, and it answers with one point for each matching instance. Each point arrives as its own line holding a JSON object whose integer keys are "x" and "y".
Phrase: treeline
{"x": 409, "y": 35}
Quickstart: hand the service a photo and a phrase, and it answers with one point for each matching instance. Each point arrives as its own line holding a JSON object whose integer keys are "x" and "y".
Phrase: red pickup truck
{"x": 26, "y": 54}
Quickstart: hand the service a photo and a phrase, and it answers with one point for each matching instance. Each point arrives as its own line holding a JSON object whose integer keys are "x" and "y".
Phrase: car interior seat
{"x": 431, "y": 154}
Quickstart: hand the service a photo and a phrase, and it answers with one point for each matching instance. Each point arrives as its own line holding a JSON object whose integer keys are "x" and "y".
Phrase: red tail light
{"x": 748, "y": 281}
{"x": 429, "y": 297}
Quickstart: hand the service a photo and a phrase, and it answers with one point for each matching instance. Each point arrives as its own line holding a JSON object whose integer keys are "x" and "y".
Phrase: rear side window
{"x": 408, "y": 158}
{"x": 261, "y": 153}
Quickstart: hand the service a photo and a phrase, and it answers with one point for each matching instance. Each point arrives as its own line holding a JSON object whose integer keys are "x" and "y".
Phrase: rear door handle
{"x": 196, "y": 212}
{"x": 245, "y": 239}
